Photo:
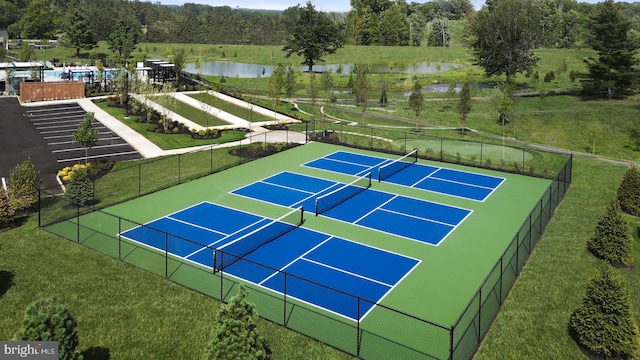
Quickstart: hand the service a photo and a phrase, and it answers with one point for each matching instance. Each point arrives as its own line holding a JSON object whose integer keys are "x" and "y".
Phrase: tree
{"x": 49, "y": 320}
{"x": 634, "y": 135}
{"x": 465, "y": 104}
{"x": 7, "y": 212}
{"x": 361, "y": 86}
{"x": 290, "y": 82}
{"x": 79, "y": 34}
{"x": 611, "y": 241}
{"x": 235, "y": 335}
{"x": 168, "y": 102}
{"x": 27, "y": 53}
{"x": 416, "y": 101}
{"x": 79, "y": 189}
{"x": 629, "y": 191}
{"x": 503, "y": 35}
{"x": 440, "y": 35}
{"x": 86, "y": 135}
{"x": 313, "y": 37}
{"x": 276, "y": 82}
{"x": 505, "y": 106}
{"x": 122, "y": 40}
{"x": 38, "y": 21}
{"x": 604, "y": 323}
{"x": 24, "y": 182}
{"x": 313, "y": 89}
{"x": 179, "y": 62}
{"x": 394, "y": 27}
{"x": 612, "y": 70}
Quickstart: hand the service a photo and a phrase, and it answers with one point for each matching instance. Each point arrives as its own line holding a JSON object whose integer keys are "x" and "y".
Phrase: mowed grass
{"x": 122, "y": 312}
{"x": 168, "y": 141}
{"x": 533, "y": 322}
{"x": 189, "y": 112}
{"x": 230, "y": 108}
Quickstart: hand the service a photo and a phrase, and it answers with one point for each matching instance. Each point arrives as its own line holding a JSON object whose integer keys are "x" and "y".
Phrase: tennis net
{"x": 385, "y": 171}
{"x": 231, "y": 252}
{"x": 338, "y": 196}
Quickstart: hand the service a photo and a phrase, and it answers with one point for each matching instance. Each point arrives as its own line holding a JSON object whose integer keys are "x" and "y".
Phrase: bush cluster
{"x": 67, "y": 172}
{"x": 7, "y": 212}
{"x": 79, "y": 189}
{"x": 24, "y": 184}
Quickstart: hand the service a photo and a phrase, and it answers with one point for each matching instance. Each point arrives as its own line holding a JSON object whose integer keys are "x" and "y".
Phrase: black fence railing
{"x": 386, "y": 332}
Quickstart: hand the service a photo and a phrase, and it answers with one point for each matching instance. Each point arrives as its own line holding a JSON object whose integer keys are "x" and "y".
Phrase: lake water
{"x": 244, "y": 70}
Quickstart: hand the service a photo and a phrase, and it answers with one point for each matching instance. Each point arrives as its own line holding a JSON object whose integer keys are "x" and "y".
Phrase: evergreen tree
{"x": 440, "y": 34}
{"x": 7, "y": 212}
{"x": 79, "y": 189}
{"x": 49, "y": 320}
{"x": 604, "y": 323}
{"x": 85, "y": 135}
{"x": 235, "y": 335}
{"x": 123, "y": 40}
{"x": 629, "y": 191}
{"x": 24, "y": 182}
{"x": 79, "y": 34}
{"x": 611, "y": 241}
{"x": 612, "y": 70}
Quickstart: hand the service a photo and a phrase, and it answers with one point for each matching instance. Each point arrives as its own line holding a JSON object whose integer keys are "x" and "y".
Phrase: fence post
{"x": 441, "y": 150}
{"x": 481, "y": 153}
{"x": 139, "y": 179}
{"x": 179, "y": 156}
{"x": 77, "y": 222}
{"x": 119, "y": 238}
{"x": 358, "y": 342}
{"x": 284, "y": 293}
{"x": 479, "y": 315}
{"x": 518, "y": 254}
{"x": 39, "y": 207}
{"x": 453, "y": 327}
{"x": 166, "y": 255}
{"x": 211, "y": 159}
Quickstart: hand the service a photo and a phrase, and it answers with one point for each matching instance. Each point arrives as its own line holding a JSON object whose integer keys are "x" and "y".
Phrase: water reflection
{"x": 443, "y": 87}
{"x": 244, "y": 70}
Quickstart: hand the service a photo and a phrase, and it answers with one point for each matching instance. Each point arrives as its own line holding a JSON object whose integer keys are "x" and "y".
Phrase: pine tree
{"x": 611, "y": 241}
{"x": 79, "y": 34}
{"x": 236, "y": 336}
{"x": 612, "y": 70}
{"x": 604, "y": 324}
{"x": 629, "y": 191}
{"x": 49, "y": 320}
{"x": 7, "y": 212}
{"x": 79, "y": 190}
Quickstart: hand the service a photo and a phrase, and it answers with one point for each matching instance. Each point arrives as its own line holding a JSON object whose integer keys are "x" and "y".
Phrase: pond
{"x": 443, "y": 87}
{"x": 245, "y": 70}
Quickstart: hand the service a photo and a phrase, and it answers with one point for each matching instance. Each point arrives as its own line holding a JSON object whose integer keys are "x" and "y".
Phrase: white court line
{"x": 347, "y": 272}
{"x": 294, "y": 260}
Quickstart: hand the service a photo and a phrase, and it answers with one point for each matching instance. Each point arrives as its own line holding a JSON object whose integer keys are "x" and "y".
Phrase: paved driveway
{"x": 44, "y": 134}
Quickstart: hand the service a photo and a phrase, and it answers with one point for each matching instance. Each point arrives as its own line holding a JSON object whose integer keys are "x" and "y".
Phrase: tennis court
{"x": 405, "y": 171}
{"x": 241, "y": 244}
{"x": 357, "y": 204}
{"x": 364, "y": 275}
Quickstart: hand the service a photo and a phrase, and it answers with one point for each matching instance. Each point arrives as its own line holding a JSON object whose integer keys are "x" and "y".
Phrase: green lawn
{"x": 168, "y": 141}
{"x": 230, "y": 108}
{"x": 196, "y": 115}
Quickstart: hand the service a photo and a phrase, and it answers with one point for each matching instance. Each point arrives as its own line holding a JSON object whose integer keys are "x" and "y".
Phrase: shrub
{"x": 629, "y": 191}
{"x": 24, "y": 182}
{"x": 7, "y": 212}
{"x": 236, "y": 336}
{"x": 79, "y": 190}
{"x": 487, "y": 163}
{"x": 48, "y": 320}
{"x": 604, "y": 323}
{"x": 611, "y": 241}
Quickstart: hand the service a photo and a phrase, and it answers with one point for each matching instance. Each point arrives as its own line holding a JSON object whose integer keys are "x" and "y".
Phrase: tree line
{"x": 369, "y": 22}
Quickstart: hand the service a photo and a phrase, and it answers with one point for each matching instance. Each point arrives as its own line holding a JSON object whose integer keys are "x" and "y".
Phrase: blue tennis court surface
{"x": 398, "y": 215}
{"x": 315, "y": 260}
{"x": 457, "y": 183}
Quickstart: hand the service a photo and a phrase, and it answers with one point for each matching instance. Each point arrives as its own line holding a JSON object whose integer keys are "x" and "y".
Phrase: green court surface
{"x": 437, "y": 290}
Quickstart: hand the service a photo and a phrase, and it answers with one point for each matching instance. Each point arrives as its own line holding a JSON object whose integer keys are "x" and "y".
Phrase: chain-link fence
{"x": 385, "y": 332}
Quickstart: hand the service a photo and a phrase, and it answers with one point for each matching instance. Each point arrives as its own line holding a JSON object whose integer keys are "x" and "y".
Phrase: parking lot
{"x": 45, "y": 135}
